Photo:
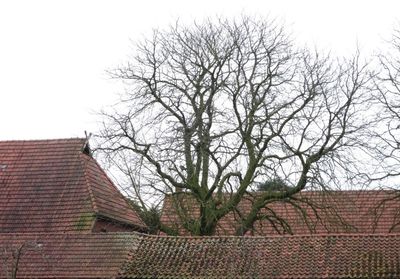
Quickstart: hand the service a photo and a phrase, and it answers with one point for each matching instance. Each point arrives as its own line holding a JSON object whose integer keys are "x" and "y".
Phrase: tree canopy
{"x": 213, "y": 109}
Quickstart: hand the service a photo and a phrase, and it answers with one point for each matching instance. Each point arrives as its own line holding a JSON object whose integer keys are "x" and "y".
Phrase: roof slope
{"x": 134, "y": 255}
{"x": 65, "y": 255}
{"x": 310, "y": 212}
{"x": 56, "y": 186}
{"x": 329, "y": 256}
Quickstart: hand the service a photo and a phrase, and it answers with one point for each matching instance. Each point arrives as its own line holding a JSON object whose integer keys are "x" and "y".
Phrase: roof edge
{"x": 88, "y": 187}
{"x": 299, "y": 236}
{"x": 135, "y": 233}
{"x": 42, "y": 140}
{"x": 143, "y": 225}
{"x": 107, "y": 217}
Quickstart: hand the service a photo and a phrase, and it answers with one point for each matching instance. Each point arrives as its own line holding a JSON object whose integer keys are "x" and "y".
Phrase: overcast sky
{"x": 53, "y": 54}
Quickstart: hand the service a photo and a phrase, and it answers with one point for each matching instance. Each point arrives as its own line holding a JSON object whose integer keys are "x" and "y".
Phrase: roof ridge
{"x": 89, "y": 188}
{"x": 145, "y": 235}
{"x": 55, "y": 233}
{"x": 42, "y": 140}
{"x": 298, "y": 236}
{"x": 169, "y": 195}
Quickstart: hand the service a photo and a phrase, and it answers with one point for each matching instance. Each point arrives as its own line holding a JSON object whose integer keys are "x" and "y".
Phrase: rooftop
{"x": 135, "y": 255}
{"x": 308, "y": 212}
{"x": 56, "y": 186}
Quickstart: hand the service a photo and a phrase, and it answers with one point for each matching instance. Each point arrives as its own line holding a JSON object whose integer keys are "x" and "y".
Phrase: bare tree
{"x": 214, "y": 109}
{"x": 388, "y": 88}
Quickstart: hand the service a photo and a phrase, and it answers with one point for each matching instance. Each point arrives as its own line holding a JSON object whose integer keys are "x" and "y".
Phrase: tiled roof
{"x": 332, "y": 212}
{"x": 65, "y": 255}
{"x": 328, "y": 256}
{"x": 133, "y": 255}
{"x": 56, "y": 186}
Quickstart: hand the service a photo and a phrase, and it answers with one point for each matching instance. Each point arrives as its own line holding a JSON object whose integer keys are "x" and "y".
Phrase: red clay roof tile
{"x": 318, "y": 256}
{"x": 332, "y": 212}
{"x": 133, "y": 255}
{"x": 53, "y": 186}
{"x": 65, "y": 255}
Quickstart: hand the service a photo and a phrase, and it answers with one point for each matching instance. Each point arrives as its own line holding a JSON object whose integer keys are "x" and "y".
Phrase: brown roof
{"x": 134, "y": 255}
{"x": 65, "y": 255}
{"x": 327, "y": 256}
{"x": 56, "y": 186}
{"x": 331, "y": 212}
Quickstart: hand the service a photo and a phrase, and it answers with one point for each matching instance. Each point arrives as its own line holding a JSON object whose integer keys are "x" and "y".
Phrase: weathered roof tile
{"x": 54, "y": 186}
{"x": 308, "y": 212}
{"x": 65, "y": 255}
{"x": 134, "y": 255}
{"x": 318, "y": 256}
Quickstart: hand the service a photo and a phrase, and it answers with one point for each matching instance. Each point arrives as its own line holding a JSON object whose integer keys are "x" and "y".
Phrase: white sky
{"x": 53, "y": 54}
